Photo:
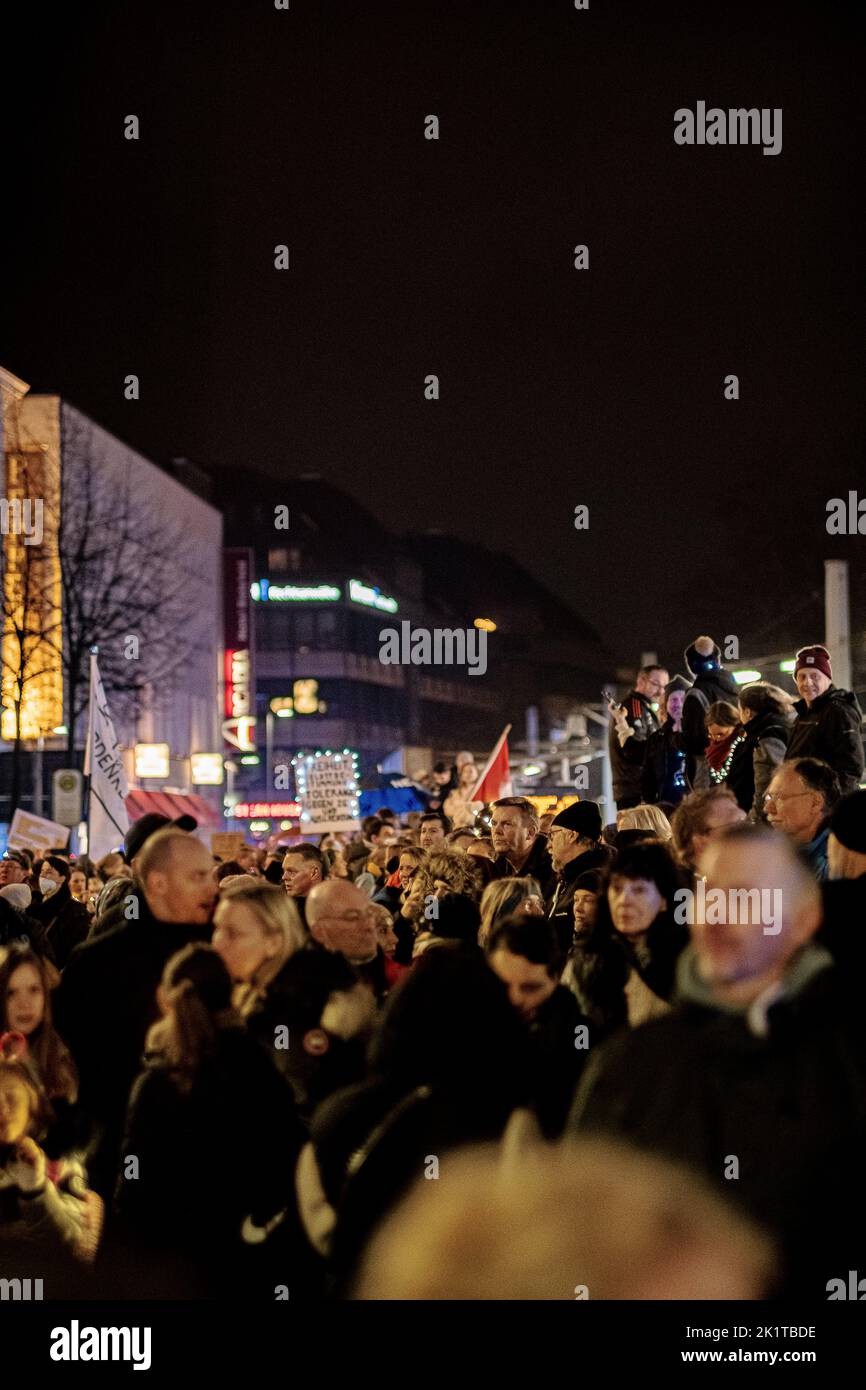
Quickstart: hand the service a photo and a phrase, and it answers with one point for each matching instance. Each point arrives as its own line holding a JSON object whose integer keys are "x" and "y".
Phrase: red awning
{"x": 171, "y": 804}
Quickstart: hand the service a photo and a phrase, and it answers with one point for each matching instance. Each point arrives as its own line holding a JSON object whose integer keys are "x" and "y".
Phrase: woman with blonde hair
{"x": 650, "y": 818}
{"x": 256, "y": 929}
{"x": 507, "y": 897}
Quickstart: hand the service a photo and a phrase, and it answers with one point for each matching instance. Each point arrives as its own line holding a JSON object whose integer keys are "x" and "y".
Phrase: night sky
{"x": 410, "y": 257}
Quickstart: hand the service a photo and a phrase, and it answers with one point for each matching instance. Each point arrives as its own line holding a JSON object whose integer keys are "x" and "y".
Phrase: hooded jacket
{"x": 831, "y": 729}
{"x": 778, "y": 1086}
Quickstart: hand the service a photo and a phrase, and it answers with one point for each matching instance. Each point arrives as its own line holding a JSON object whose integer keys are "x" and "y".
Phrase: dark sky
{"x": 409, "y": 256}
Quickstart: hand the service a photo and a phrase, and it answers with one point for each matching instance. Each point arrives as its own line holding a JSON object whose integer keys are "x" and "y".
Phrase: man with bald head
{"x": 756, "y": 1077}
{"x": 106, "y": 1000}
{"x": 340, "y": 918}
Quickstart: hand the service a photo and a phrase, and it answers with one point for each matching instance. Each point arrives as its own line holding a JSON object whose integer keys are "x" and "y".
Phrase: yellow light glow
{"x": 152, "y": 760}
{"x": 207, "y": 769}
{"x": 32, "y": 679}
{"x": 485, "y": 624}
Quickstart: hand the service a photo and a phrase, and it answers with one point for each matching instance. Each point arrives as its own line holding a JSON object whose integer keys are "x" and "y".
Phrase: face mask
{"x": 47, "y": 886}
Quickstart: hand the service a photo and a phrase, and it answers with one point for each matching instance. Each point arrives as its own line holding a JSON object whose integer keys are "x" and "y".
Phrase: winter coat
{"x": 708, "y": 690}
{"x": 103, "y": 1007}
{"x": 561, "y": 910}
{"x": 557, "y": 1055}
{"x": 756, "y": 759}
{"x": 663, "y": 773}
{"x": 209, "y": 1158}
{"x": 539, "y": 866}
{"x": 626, "y": 760}
{"x": 21, "y": 926}
{"x": 603, "y": 963}
{"x": 781, "y": 1089}
{"x": 831, "y": 729}
{"x": 55, "y": 1216}
{"x": 66, "y": 921}
{"x": 324, "y": 1012}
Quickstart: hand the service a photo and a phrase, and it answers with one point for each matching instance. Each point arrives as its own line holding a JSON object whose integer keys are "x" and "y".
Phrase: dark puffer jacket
{"x": 831, "y": 729}
{"x": 756, "y": 759}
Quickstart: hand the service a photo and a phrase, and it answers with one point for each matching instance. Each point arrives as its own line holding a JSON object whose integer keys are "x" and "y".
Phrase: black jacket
{"x": 209, "y": 1158}
{"x": 663, "y": 773}
{"x": 103, "y": 1007}
{"x": 539, "y": 866}
{"x": 756, "y": 759}
{"x": 832, "y": 731}
{"x": 20, "y": 926}
{"x": 66, "y": 922}
{"x": 708, "y": 689}
{"x": 561, "y": 910}
{"x": 626, "y": 760}
{"x": 315, "y": 1062}
{"x": 699, "y": 1087}
{"x": 557, "y": 1055}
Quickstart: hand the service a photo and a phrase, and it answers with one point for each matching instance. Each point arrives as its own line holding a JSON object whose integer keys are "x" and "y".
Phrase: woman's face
{"x": 78, "y": 885}
{"x": 240, "y": 941}
{"x": 25, "y": 1000}
{"x": 385, "y": 934}
{"x": 408, "y": 868}
{"x": 634, "y": 904}
{"x": 719, "y": 732}
{"x": 14, "y": 1110}
{"x": 468, "y": 776}
{"x": 584, "y": 909}
{"x": 532, "y": 906}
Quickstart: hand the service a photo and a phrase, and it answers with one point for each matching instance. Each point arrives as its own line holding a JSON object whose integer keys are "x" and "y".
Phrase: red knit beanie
{"x": 814, "y": 659}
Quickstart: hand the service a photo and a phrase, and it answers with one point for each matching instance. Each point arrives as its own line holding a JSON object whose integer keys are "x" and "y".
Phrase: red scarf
{"x": 715, "y": 753}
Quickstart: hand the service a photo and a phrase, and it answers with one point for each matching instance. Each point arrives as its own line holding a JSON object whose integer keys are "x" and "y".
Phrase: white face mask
{"x": 47, "y": 886}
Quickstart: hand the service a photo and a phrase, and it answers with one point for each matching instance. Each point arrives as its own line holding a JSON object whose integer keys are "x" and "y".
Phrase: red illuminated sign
{"x": 265, "y": 810}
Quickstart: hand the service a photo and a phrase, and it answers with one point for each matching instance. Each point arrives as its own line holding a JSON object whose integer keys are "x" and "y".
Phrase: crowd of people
{"x": 258, "y": 1078}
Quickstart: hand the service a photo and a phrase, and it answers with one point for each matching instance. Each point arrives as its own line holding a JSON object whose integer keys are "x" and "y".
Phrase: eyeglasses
{"x": 785, "y": 796}
{"x": 354, "y": 918}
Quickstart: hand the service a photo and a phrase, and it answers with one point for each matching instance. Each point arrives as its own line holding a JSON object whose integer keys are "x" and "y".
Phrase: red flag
{"x": 495, "y": 780}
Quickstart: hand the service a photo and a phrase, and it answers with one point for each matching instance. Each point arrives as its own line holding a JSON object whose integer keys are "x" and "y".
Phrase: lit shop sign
{"x": 303, "y": 700}
{"x": 207, "y": 769}
{"x": 239, "y": 702}
{"x": 151, "y": 760}
{"x": 371, "y": 596}
{"x": 264, "y": 810}
{"x": 263, "y": 591}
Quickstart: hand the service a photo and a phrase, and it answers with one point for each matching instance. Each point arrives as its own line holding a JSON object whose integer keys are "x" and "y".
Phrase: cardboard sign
{"x": 226, "y": 843}
{"x": 35, "y": 832}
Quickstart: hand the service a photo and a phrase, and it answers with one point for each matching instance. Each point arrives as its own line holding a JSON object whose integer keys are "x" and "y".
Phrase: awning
{"x": 171, "y": 804}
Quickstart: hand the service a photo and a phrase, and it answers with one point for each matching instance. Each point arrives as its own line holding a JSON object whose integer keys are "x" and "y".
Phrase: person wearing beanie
{"x": 712, "y": 683}
{"x": 829, "y": 720}
{"x": 631, "y": 724}
{"x": 663, "y": 777}
{"x": 575, "y": 848}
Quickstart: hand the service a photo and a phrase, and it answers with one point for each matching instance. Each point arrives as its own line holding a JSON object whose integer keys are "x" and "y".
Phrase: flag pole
{"x": 88, "y": 747}
{"x": 491, "y": 760}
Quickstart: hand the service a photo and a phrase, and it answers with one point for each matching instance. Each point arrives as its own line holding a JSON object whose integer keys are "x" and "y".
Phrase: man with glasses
{"x": 799, "y": 800}
{"x": 627, "y": 740}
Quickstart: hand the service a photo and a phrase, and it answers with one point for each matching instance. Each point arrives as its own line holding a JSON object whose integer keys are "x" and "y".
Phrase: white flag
{"x": 107, "y": 820}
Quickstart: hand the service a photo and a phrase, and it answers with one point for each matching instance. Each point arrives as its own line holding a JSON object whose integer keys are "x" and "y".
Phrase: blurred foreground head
{"x": 587, "y": 1219}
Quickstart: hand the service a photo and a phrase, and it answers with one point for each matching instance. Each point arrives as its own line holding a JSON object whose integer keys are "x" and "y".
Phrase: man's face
{"x": 674, "y": 706}
{"x": 184, "y": 891}
{"x": 512, "y": 831}
{"x": 432, "y": 833}
{"x": 528, "y": 984}
{"x": 718, "y": 815}
{"x": 812, "y": 683}
{"x": 734, "y": 952}
{"x": 299, "y": 875}
{"x": 11, "y": 872}
{"x": 344, "y": 921}
{"x": 792, "y": 806}
{"x": 561, "y": 843}
{"x": 652, "y": 685}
